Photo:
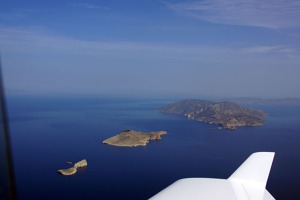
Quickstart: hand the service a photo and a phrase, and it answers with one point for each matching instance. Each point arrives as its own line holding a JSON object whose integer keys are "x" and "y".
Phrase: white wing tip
{"x": 255, "y": 169}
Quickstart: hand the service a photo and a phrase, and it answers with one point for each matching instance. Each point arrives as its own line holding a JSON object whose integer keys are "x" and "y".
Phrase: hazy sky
{"x": 219, "y": 48}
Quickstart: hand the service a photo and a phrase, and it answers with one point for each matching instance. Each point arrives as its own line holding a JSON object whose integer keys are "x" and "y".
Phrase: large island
{"x": 131, "y": 138}
{"x": 226, "y": 114}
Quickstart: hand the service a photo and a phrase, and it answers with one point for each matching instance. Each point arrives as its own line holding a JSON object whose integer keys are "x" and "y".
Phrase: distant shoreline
{"x": 261, "y": 101}
{"x": 227, "y": 114}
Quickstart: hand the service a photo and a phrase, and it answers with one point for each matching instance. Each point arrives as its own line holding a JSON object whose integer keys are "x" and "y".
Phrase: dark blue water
{"x": 46, "y": 132}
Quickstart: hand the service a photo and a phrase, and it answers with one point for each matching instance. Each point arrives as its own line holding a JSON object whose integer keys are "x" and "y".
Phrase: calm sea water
{"x": 47, "y": 132}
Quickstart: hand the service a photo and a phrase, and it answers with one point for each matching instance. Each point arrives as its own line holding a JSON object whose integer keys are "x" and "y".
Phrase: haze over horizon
{"x": 174, "y": 47}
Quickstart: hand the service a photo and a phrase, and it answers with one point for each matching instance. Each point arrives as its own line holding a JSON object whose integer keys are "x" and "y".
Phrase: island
{"x": 72, "y": 170}
{"x": 131, "y": 138}
{"x": 225, "y": 114}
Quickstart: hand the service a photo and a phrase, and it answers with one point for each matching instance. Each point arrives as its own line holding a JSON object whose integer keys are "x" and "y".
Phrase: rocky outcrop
{"x": 131, "y": 138}
{"x": 82, "y": 163}
{"x": 67, "y": 172}
{"x": 226, "y": 114}
{"x": 72, "y": 170}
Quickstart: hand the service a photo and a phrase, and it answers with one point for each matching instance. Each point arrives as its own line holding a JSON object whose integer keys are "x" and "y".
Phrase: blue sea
{"x": 48, "y": 131}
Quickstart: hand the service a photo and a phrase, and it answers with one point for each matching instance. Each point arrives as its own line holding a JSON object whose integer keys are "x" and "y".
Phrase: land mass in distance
{"x": 226, "y": 114}
{"x": 262, "y": 101}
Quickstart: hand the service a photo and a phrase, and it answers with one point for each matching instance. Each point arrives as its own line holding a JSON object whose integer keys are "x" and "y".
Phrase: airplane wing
{"x": 248, "y": 182}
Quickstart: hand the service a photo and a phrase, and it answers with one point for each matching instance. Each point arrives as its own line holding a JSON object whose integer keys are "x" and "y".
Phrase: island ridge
{"x": 226, "y": 114}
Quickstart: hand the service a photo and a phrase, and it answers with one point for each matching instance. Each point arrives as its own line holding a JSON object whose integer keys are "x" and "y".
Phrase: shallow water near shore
{"x": 47, "y": 132}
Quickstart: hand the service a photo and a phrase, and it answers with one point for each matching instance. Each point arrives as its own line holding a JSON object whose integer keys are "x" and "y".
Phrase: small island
{"x": 226, "y": 114}
{"x": 131, "y": 138}
{"x": 72, "y": 170}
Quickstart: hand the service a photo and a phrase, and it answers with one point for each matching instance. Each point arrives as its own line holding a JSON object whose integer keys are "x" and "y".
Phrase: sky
{"x": 188, "y": 48}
